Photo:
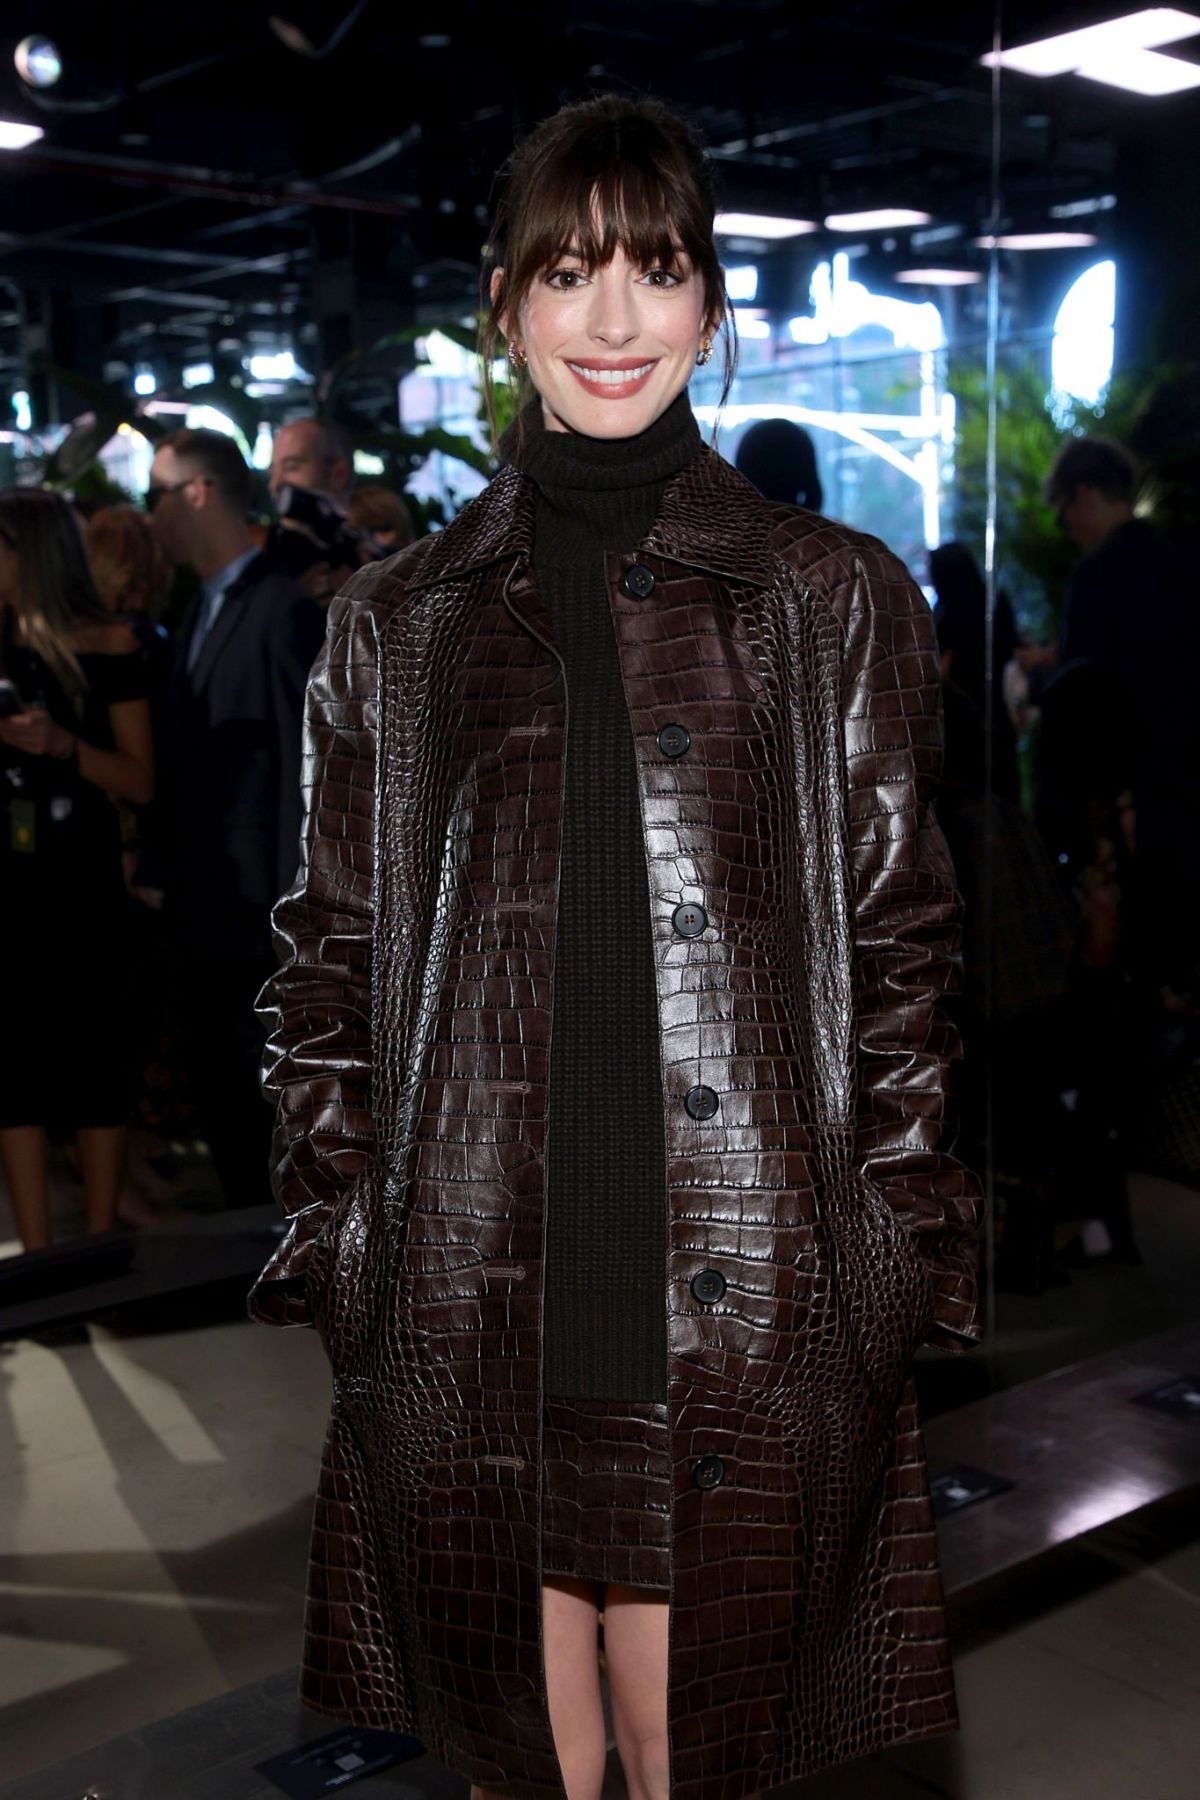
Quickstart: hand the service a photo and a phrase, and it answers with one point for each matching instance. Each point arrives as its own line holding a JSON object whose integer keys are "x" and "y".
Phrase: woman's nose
{"x": 614, "y": 317}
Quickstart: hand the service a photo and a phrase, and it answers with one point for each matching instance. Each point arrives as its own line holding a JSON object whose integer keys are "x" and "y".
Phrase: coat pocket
{"x": 336, "y": 1263}
{"x": 883, "y": 1286}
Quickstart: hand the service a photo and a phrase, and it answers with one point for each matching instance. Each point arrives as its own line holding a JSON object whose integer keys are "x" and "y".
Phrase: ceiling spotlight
{"x": 16, "y": 136}
{"x": 1037, "y": 240}
{"x": 1141, "y": 72}
{"x": 37, "y": 61}
{"x": 884, "y": 218}
{"x": 938, "y": 277}
{"x": 760, "y": 225}
{"x": 1069, "y": 51}
{"x": 315, "y": 27}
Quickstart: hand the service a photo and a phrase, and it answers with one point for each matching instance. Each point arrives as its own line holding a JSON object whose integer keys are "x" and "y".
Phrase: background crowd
{"x": 153, "y": 664}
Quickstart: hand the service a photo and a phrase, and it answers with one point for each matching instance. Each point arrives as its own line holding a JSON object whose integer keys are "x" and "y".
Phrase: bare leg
{"x": 569, "y": 1633}
{"x": 635, "y": 1650}
{"x": 23, "y": 1153}
{"x": 101, "y": 1164}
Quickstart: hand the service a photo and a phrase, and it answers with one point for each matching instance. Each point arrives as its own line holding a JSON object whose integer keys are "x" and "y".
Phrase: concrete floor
{"x": 155, "y": 1498}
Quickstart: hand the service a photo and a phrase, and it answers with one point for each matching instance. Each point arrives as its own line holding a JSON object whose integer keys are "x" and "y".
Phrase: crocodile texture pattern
{"x": 409, "y": 1028}
{"x": 606, "y": 1491}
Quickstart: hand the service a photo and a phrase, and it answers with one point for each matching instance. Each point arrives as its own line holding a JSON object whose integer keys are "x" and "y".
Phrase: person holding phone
{"x": 75, "y": 739}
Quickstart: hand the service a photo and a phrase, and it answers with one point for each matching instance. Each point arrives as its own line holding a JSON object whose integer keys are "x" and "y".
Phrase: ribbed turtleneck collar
{"x": 609, "y": 487}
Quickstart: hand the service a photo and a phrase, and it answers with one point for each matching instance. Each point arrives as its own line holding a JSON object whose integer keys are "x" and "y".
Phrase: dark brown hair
{"x": 1098, "y": 462}
{"x": 374, "y": 507}
{"x": 217, "y": 457}
{"x": 126, "y": 562}
{"x": 56, "y": 593}
{"x": 599, "y": 175}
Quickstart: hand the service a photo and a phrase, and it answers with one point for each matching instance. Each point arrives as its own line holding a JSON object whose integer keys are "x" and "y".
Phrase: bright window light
{"x": 884, "y": 218}
{"x": 1081, "y": 354}
{"x": 445, "y": 357}
{"x": 367, "y": 463}
{"x": 751, "y": 323}
{"x": 23, "y": 410}
{"x": 198, "y": 375}
{"x": 278, "y": 365}
{"x": 742, "y": 283}
{"x": 145, "y": 382}
{"x": 939, "y": 277}
{"x": 1070, "y": 50}
{"x": 760, "y": 225}
{"x": 15, "y": 136}
{"x": 1038, "y": 240}
{"x": 1141, "y": 71}
{"x": 842, "y": 306}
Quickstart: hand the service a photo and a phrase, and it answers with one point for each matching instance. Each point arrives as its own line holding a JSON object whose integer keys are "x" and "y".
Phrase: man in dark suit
{"x": 1133, "y": 631}
{"x": 230, "y": 810}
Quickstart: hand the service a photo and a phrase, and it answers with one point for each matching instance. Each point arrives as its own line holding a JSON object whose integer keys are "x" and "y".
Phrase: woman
{"x": 610, "y": 1070}
{"x": 76, "y": 739}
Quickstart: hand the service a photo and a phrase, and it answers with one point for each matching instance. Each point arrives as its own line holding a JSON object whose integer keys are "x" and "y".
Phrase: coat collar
{"x": 710, "y": 518}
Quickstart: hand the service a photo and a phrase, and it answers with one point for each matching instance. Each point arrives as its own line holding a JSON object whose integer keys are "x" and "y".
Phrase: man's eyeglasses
{"x": 156, "y": 490}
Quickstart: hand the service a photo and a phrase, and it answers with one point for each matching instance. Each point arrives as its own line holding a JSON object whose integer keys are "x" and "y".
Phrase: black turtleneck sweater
{"x": 605, "y": 1321}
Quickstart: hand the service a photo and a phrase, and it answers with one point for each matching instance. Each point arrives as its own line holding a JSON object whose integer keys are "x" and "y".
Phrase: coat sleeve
{"x": 317, "y": 1006}
{"x": 906, "y": 928}
{"x": 297, "y": 629}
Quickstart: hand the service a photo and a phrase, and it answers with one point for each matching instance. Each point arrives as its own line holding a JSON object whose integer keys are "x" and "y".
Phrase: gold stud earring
{"x": 705, "y": 352}
{"x": 517, "y": 356}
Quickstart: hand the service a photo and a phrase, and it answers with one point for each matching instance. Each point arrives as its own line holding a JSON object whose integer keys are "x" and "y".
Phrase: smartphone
{"x": 10, "y": 699}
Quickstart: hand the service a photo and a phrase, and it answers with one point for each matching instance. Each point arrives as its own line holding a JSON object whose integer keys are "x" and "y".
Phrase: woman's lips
{"x": 613, "y": 381}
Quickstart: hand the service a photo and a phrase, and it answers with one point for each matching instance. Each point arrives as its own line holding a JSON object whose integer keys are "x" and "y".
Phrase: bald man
{"x": 308, "y": 453}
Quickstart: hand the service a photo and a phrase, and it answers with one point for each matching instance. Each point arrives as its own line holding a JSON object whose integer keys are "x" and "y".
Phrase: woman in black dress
{"x": 75, "y": 739}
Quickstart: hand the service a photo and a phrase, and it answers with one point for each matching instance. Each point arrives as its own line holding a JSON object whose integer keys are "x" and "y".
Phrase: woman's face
{"x": 609, "y": 351}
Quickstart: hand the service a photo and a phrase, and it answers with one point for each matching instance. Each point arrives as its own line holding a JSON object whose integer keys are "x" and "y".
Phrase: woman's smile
{"x": 613, "y": 380}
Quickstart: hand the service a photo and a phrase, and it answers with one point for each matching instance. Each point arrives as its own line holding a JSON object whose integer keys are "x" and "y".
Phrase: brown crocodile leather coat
{"x": 409, "y": 1031}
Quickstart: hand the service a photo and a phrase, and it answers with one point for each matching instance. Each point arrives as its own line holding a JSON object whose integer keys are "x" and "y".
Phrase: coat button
{"x": 709, "y": 1472}
{"x": 673, "y": 740}
{"x": 689, "y": 919}
{"x": 701, "y": 1102}
{"x": 637, "y": 582}
{"x": 708, "y": 1286}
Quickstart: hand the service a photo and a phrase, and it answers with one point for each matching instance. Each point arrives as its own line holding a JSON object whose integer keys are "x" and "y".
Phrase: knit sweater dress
{"x": 605, "y": 1467}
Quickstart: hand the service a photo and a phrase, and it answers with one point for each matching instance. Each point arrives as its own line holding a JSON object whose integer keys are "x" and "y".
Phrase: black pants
{"x": 221, "y": 1040}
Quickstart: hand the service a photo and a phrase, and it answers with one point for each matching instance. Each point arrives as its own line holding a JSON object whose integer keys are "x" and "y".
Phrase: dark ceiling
{"x": 200, "y": 184}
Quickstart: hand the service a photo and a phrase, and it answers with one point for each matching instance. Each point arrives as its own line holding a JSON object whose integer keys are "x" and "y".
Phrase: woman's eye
{"x": 663, "y": 278}
{"x": 564, "y": 279}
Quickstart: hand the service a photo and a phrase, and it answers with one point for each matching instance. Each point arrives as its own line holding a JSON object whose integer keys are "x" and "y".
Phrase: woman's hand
{"x": 35, "y": 734}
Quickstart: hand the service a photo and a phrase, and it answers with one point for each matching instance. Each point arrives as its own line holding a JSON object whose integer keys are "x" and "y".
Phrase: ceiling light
{"x": 145, "y": 382}
{"x": 938, "y": 277}
{"x": 760, "y": 225}
{"x": 316, "y": 27}
{"x": 1070, "y": 50}
{"x": 1037, "y": 240}
{"x": 198, "y": 375}
{"x": 16, "y": 136}
{"x": 884, "y": 218}
{"x": 37, "y": 62}
{"x": 1141, "y": 71}
{"x": 1078, "y": 209}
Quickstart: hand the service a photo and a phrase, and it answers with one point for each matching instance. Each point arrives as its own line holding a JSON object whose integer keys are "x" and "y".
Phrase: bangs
{"x": 609, "y": 192}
